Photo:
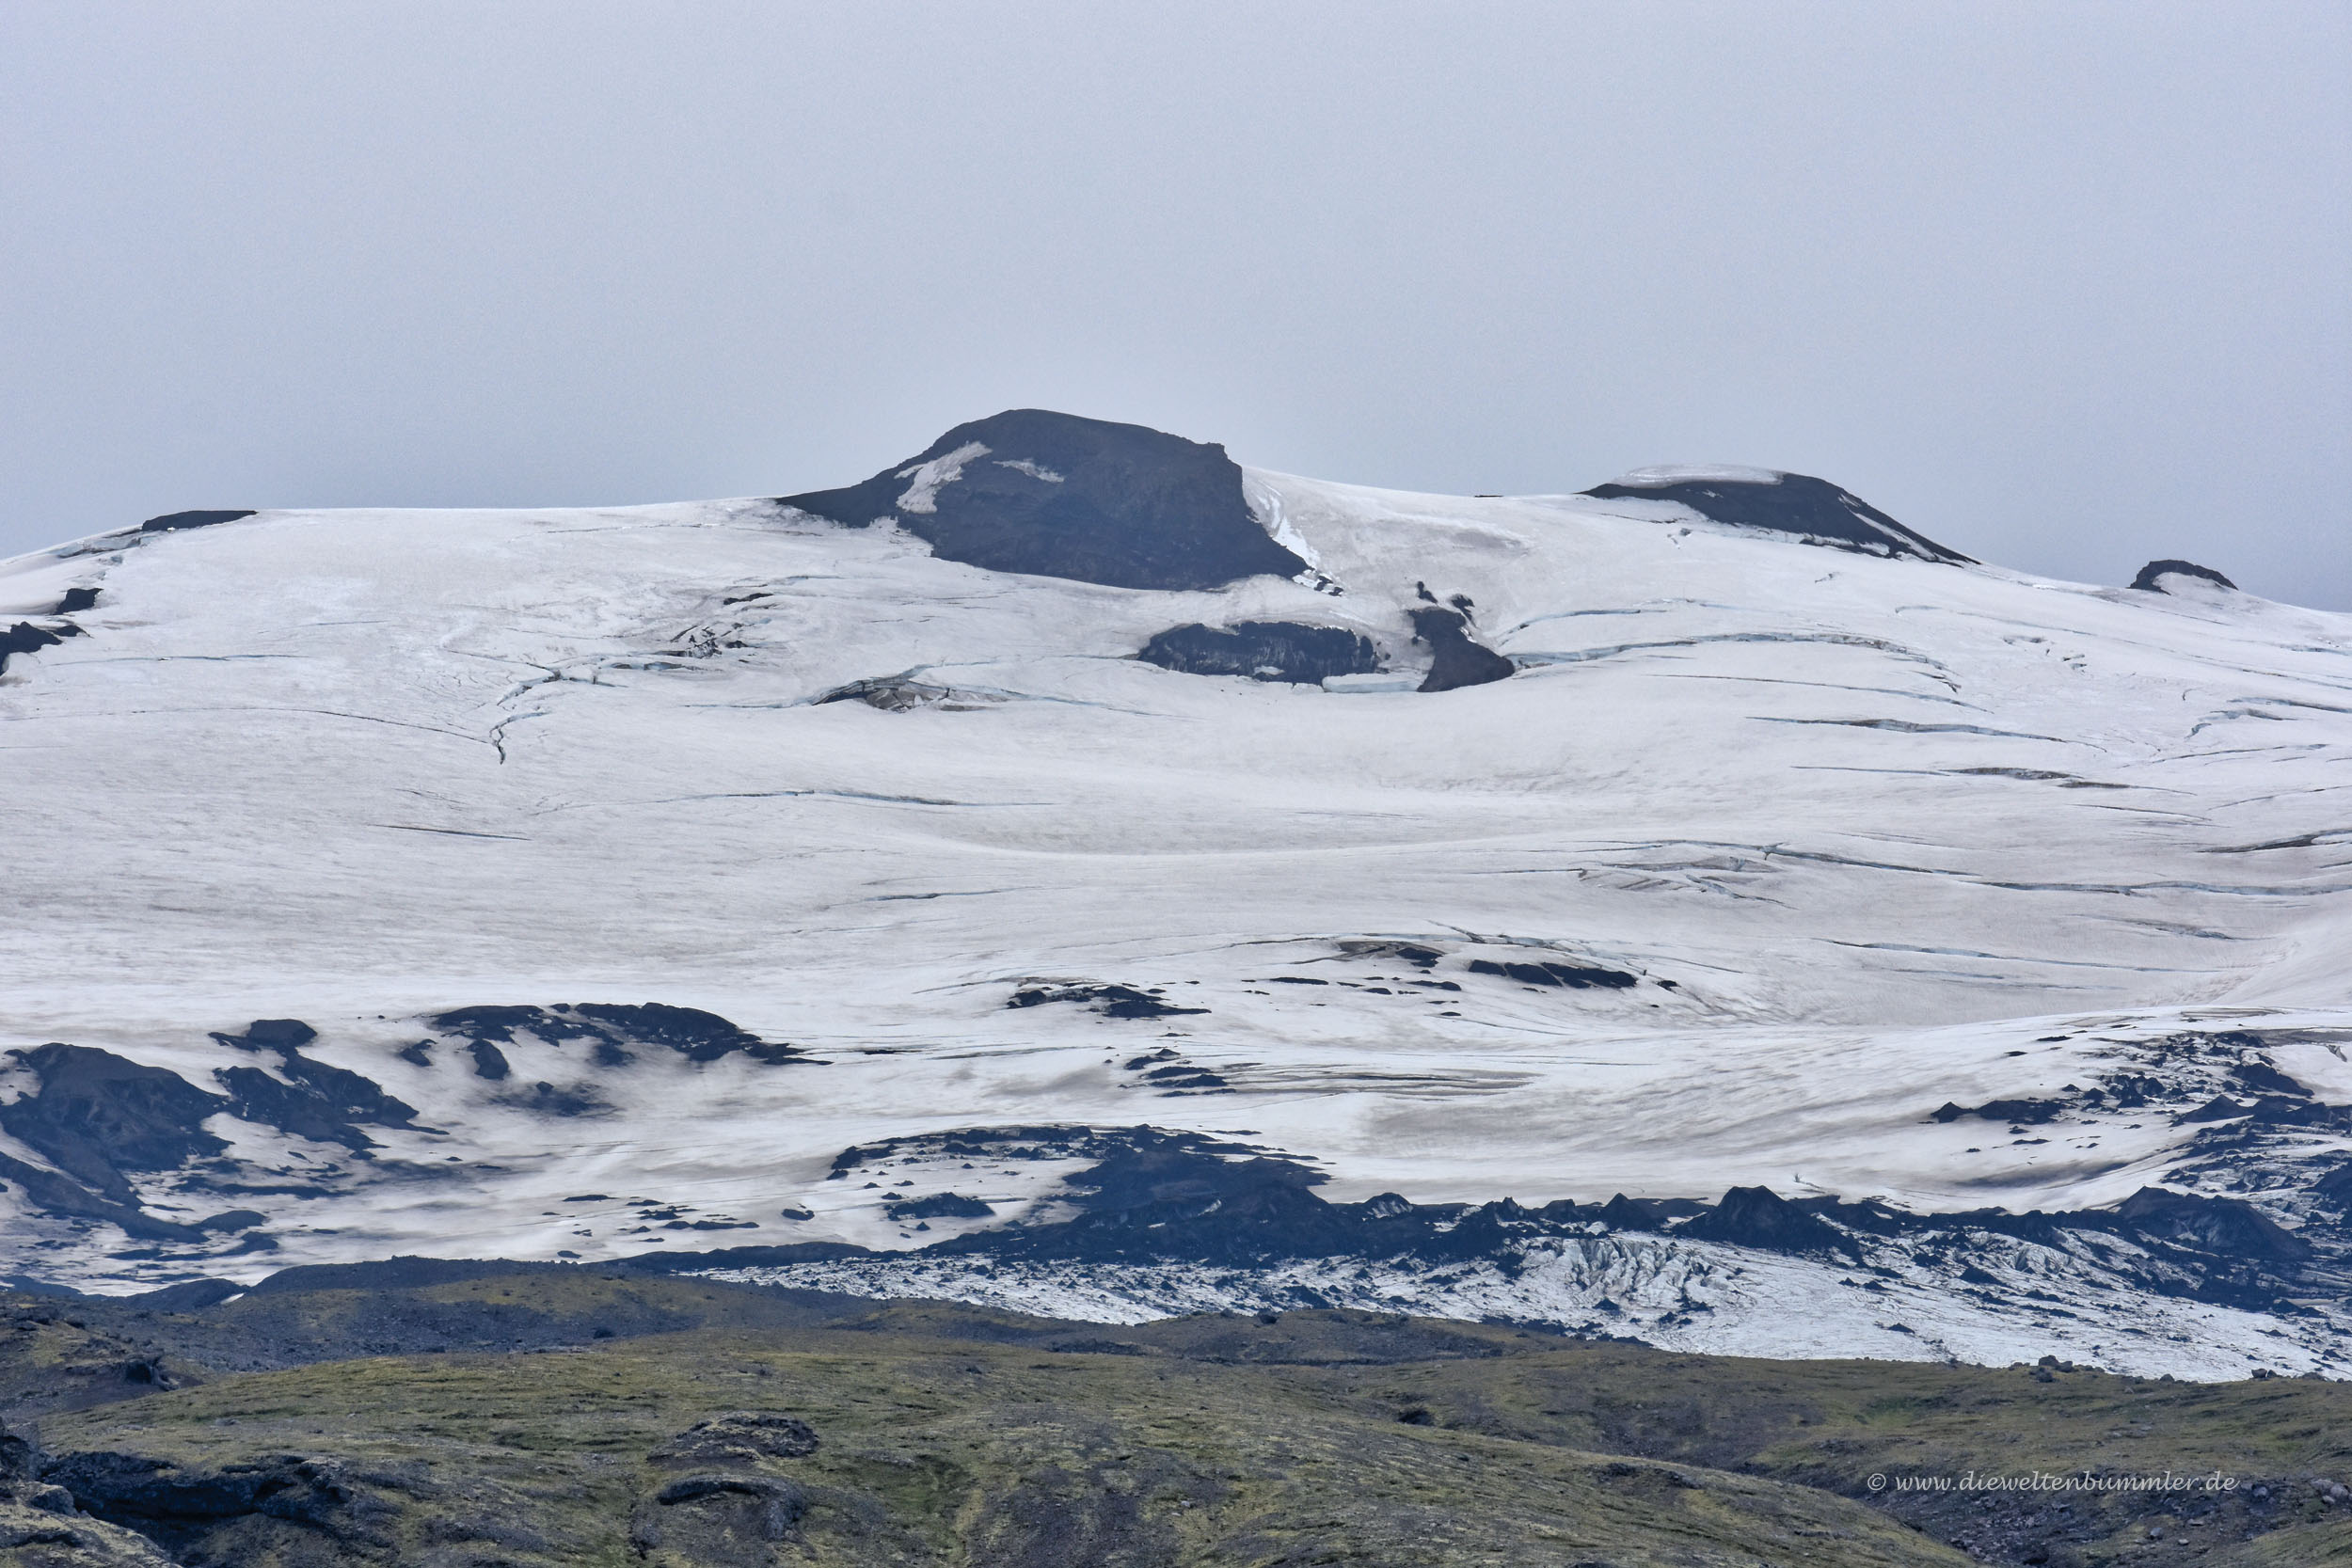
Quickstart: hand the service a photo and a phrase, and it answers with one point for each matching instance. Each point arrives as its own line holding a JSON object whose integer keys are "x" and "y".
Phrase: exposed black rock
{"x": 1458, "y": 660}
{"x": 740, "y": 1434}
{"x": 24, "y": 638}
{"x": 1054, "y": 495}
{"x": 1172, "y": 1195}
{"x": 2260, "y": 1077}
{"x": 1111, "y": 1001}
{"x": 578, "y": 1099}
{"x": 323, "y": 1102}
{"x": 730, "y": 1515}
{"x": 2151, "y": 577}
{"x": 189, "y": 1295}
{"x": 70, "y": 1199}
{"x": 16, "y": 1457}
{"x": 175, "y": 1506}
{"x": 2028, "y": 1112}
{"x": 1759, "y": 1217}
{"x": 953, "y": 1206}
{"x": 2336, "y": 1187}
{"x": 1811, "y": 508}
{"x": 1418, "y": 954}
{"x": 1179, "y": 1076}
{"x": 2219, "y": 1108}
{"x": 288, "y": 1035}
{"x": 2229, "y": 1227}
{"x": 499, "y": 1023}
{"x": 99, "y": 1115}
{"x": 1263, "y": 651}
{"x": 898, "y": 695}
{"x": 233, "y": 1219}
{"x": 697, "y": 1035}
{"x": 1645, "y": 1214}
{"x": 612, "y": 1028}
{"x": 172, "y": 522}
{"x": 1573, "y": 976}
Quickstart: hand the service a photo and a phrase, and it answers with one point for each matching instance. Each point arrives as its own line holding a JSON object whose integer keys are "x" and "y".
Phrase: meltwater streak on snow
{"x": 1699, "y": 473}
{"x": 1898, "y": 835}
{"x": 922, "y": 495}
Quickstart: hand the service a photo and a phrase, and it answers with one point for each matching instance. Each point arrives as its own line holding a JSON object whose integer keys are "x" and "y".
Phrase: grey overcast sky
{"x": 2062, "y": 285}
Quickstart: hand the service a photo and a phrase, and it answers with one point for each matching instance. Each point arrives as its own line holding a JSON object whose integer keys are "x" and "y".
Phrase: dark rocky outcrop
{"x": 2025, "y": 1113}
{"x": 1110, "y": 1001}
{"x": 69, "y": 1200}
{"x": 1573, "y": 976}
{"x": 173, "y": 522}
{"x": 611, "y": 1028}
{"x": 739, "y": 1437}
{"x": 1457, "y": 661}
{"x": 1812, "y": 510}
{"x": 1263, "y": 651}
{"x": 1054, "y": 495}
{"x": 725, "y": 1520}
{"x": 178, "y": 1507}
{"x": 2227, "y": 1227}
{"x": 695, "y": 1035}
{"x": 76, "y": 600}
{"x": 2151, "y": 577}
{"x": 1759, "y": 1217}
{"x": 1420, "y": 955}
{"x": 324, "y": 1103}
{"x": 24, "y": 638}
{"x": 900, "y": 694}
{"x": 1173, "y": 1195}
{"x": 98, "y": 1115}
{"x": 953, "y": 1206}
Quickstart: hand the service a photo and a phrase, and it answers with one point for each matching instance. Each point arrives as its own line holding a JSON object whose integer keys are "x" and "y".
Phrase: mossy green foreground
{"x": 755, "y": 1428}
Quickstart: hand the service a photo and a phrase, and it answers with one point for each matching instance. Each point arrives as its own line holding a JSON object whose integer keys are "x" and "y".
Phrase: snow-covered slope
{"x": 1821, "y": 842}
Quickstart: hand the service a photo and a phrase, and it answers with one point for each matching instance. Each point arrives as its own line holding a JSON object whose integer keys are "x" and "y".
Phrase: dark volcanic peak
{"x": 1811, "y": 508}
{"x": 2151, "y": 578}
{"x": 1053, "y": 495}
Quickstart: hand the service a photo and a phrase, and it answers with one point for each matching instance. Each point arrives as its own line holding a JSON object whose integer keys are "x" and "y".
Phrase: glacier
{"x": 1925, "y": 889}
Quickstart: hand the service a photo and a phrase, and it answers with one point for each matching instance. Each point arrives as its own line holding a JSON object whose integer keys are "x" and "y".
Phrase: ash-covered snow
{"x": 1873, "y": 836}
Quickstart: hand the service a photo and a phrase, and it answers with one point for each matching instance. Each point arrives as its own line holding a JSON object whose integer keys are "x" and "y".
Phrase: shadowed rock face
{"x": 1799, "y": 504}
{"x": 97, "y": 1116}
{"x": 172, "y": 522}
{"x": 1574, "y": 977}
{"x": 323, "y": 1101}
{"x": 1053, "y": 495}
{"x": 1458, "y": 660}
{"x": 611, "y": 1029}
{"x": 24, "y": 638}
{"x": 1263, "y": 651}
{"x": 2151, "y": 578}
